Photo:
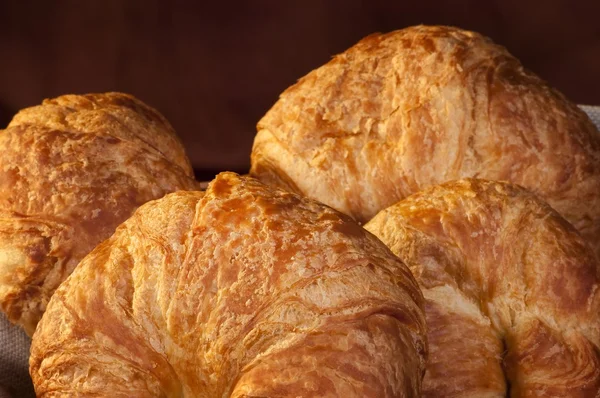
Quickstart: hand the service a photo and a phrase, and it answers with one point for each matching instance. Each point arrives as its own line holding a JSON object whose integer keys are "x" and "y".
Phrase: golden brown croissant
{"x": 402, "y": 111}
{"x": 244, "y": 291}
{"x": 511, "y": 291}
{"x": 71, "y": 170}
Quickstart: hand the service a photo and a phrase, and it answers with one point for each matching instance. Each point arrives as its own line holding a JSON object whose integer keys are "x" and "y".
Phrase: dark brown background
{"x": 213, "y": 69}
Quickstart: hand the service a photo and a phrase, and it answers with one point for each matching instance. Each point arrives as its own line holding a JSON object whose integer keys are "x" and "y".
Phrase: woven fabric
{"x": 593, "y": 112}
{"x": 14, "y": 353}
{"x": 14, "y": 344}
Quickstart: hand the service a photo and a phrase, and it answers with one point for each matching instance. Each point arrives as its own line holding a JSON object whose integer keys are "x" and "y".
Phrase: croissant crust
{"x": 244, "y": 291}
{"x": 403, "y": 111}
{"x": 511, "y": 291}
{"x": 71, "y": 170}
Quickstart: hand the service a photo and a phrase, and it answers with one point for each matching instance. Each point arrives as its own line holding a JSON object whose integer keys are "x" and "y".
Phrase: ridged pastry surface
{"x": 71, "y": 170}
{"x": 402, "y": 111}
{"x": 511, "y": 291}
{"x": 116, "y": 114}
{"x": 241, "y": 291}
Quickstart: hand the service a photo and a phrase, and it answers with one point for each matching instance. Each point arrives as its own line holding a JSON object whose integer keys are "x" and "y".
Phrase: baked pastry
{"x": 511, "y": 291}
{"x": 403, "y": 111}
{"x": 242, "y": 291}
{"x": 71, "y": 170}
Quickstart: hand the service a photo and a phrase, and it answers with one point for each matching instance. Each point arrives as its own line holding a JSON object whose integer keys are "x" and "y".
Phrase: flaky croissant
{"x": 71, "y": 170}
{"x": 406, "y": 110}
{"x": 511, "y": 291}
{"x": 244, "y": 291}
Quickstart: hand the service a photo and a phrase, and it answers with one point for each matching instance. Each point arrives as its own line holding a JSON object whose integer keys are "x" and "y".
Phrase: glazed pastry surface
{"x": 241, "y": 291}
{"x": 402, "y": 111}
{"x": 511, "y": 291}
{"x": 71, "y": 170}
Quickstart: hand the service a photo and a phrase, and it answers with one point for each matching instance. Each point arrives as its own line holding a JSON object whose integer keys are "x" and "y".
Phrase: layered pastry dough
{"x": 406, "y": 110}
{"x": 71, "y": 170}
{"x": 511, "y": 291}
{"x": 242, "y": 291}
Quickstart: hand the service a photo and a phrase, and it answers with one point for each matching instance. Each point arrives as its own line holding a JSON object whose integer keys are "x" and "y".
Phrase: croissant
{"x": 403, "y": 111}
{"x": 511, "y": 291}
{"x": 71, "y": 170}
{"x": 244, "y": 291}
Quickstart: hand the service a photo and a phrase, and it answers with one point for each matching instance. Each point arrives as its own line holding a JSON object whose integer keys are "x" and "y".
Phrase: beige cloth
{"x": 14, "y": 344}
{"x": 593, "y": 112}
{"x": 14, "y": 353}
